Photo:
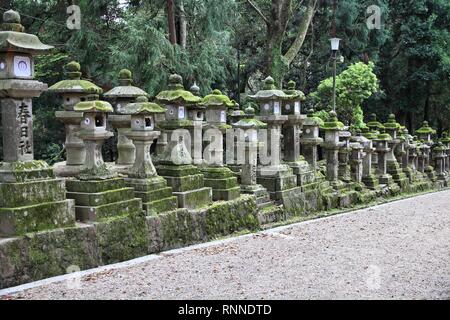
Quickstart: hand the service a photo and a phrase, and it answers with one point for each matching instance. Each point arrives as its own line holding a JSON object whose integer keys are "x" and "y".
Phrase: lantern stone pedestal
{"x": 153, "y": 190}
{"x": 393, "y": 167}
{"x": 31, "y": 199}
{"x": 221, "y": 179}
{"x": 98, "y": 193}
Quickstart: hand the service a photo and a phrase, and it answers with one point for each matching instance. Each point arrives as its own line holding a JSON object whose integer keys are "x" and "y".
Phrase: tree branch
{"x": 302, "y": 31}
{"x": 250, "y": 2}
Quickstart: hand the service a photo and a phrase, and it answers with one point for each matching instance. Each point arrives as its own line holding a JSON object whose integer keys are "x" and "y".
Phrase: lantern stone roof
{"x": 177, "y": 93}
{"x": 425, "y": 129}
{"x": 445, "y": 137}
{"x": 333, "y": 123}
{"x": 270, "y": 92}
{"x": 74, "y": 84}
{"x": 143, "y": 106}
{"x": 392, "y": 123}
{"x": 93, "y": 104}
{"x": 125, "y": 89}
{"x": 439, "y": 147}
{"x": 366, "y": 132}
{"x": 249, "y": 121}
{"x": 373, "y": 123}
{"x": 383, "y": 136}
{"x": 296, "y": 94}
{"x": 13, "y": 37}
{"x": 312, "y": 120}
{"x": 217, "y": 99}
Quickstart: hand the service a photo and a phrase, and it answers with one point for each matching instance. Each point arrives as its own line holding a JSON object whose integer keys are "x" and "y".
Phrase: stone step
{"x": 94, "y": 186}
{"x": 186, "y": 183}
{"x": 154, "y": 195}
{"x": 226, "y": 194}
{"x": 161, "y": 206}
{"x": 101, "y": 198}
{"x": 194, "y": 199}
{"x": 91, "y": 213}
{"x": 32, "y": 192}
{"x": 44, "y": 216}
{"x": 145, "y": 185}
{"x": 225, "y": 183}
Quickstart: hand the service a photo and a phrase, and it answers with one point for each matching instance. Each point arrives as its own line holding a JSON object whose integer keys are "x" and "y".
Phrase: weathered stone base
{"x": 223, "y": 183}
{"x": 51, "y": 253}
{"x": 397, "y": 174}
{"x": 260, "y": 193}
{"x": 155, "y": 194}
{"x": 101, "y": 199}
{"x": 276, "y": 179}
{"x": 32, "y": 200}
{"x": 187, "y": 183}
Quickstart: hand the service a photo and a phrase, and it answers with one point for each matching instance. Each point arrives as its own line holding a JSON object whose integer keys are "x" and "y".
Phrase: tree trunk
{"x": 182, "y": 24}
{"x": 171, "y": 22}
{"x": 301, "y": 33}
{"x": 426, "y": 110}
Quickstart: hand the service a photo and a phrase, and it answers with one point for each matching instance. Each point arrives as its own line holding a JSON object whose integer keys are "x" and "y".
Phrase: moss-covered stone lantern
{"x": 369, "y": 180}
{"x": 272, "y": 174}
{"x": 425, "y": 132}
{"x": 31, "y": 199}
{"x": 220, "y": 178}
{"x": 332, "y": 144}
{"x": 72, "y": 91}
{"x": 120, "y": 96}
{"x": 393, "y": 128}
{"x": 310, "y": 139}
{"x": 382, "y": 147}
{"x": 373, "y": 124}
{"x": 438, "y": 157}
{"x": 175, "y": 163}
{"x": 98, "y": 192}
{"x": 175, "y": 100}
{"x": 292, "y": 129}
{"x": 446, "y": 141}
{"x": 151, "y": 188}
{"x": 247, "y": 145}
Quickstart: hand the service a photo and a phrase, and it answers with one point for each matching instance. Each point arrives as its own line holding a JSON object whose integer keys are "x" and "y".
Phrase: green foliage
{"x": 353, "y": 87}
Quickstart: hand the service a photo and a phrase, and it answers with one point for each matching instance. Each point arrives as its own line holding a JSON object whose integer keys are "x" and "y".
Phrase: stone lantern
{"x": 438, "y": 157}
{"x": 356, "y": 162}
{"x": 393, "y": 128}
{"x": 152, "y": 189}
{"x": 369, "y": 180}
{"x": 175, "y": 163}
{"x": 425, "y": 132}
{"x": 382, "y": 147}
{"x": 31, "y": 199}
{"x": 72, "y": 91}
{"x": 292, "y": 129}
{"x": 373, "y": 124}
{"x": 446, "y": 141}
{"x": 344, "y": 156}
{"x": 249, "y": 145}
{"x": 332, "y": 145}
{"x": 220, "y": 178}
{"x": 120, "y": 96}
{"x": 196, "y": 117}
{"x": 408, "y": 154}
{"x": 310, "y": 139}
{"x": 273, "y": 175}
{"x": 98, "y": 192}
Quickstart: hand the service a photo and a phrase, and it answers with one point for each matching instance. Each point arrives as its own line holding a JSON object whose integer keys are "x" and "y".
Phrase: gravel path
{"x": 399, "y": 250}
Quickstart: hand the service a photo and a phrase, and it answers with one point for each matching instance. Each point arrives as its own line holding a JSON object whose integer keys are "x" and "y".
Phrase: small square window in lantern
{"x": 276, "y": 108}
{"x": 223, "y": 116}
{"x": 181, "y": 113}
{"x": 297, "y": 107}
{"x": 22, "y": 66}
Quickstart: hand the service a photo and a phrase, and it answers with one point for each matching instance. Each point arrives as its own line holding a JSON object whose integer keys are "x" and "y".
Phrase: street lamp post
{"x": 334, "y": 48}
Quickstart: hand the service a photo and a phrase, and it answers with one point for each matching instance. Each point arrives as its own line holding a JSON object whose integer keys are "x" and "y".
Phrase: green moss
{"x": 29, "y": 165}
{"x": 216, "y": 98}
{"x": 76, "y": 85}
{"x": 425, "y": 129}
{"x": 93, "y": 106}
